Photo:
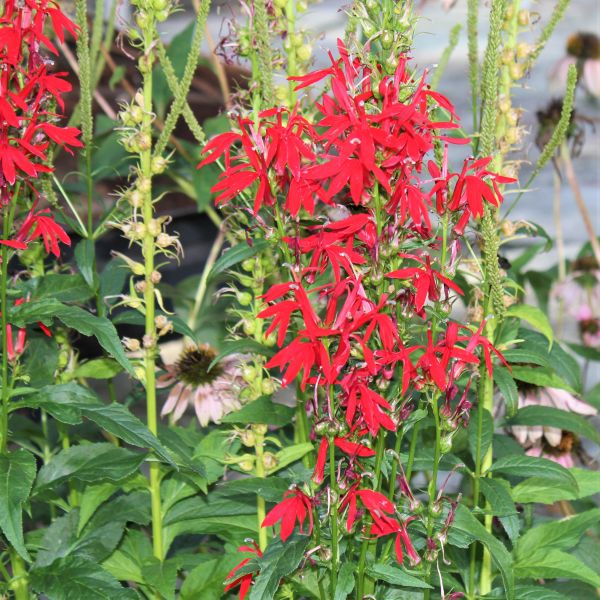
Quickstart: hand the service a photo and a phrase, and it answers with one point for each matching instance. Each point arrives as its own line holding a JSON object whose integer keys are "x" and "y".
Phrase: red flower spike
{"x": 295, "y": 506}
{"x": 42, "y": 225}
{"x": 389, "y": 526}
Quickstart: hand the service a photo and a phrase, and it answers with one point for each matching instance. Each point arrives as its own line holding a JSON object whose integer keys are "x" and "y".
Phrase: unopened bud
{"x": 140, "y": 286}
{"x": 270, "y": 461}
{"x": 155, "y": 277}
{"x": 148, "y": 341}
{"x": 160, "y": 321}
{"x": 131, "y": 344}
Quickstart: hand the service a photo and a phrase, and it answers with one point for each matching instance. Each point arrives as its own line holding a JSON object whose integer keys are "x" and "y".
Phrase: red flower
{"x": 425, "y": 280}
{"x": 244, "y": 581}
{"x": 42, "y": 225}
{"x": 295, "y": 506}
{"x": 375, "y": 502}
{"x": 353, "y": 450}
{"x": 388, "y": 526}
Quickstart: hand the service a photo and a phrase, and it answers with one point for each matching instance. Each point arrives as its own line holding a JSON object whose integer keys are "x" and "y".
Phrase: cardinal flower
{"x": 244, "y": 581}
{"x": 425, "y": 280}
{"x": 374, "y": 502}
{"x": 389, "y": 526}
{"x": 295, "y": 506}
{"x": 42, "y": 225}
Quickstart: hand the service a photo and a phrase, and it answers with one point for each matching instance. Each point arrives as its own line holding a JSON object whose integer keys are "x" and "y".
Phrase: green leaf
{"x": 535, "y": 317}
{"x": 487, "y": 432}
{"x": 531, "y": 466}
{"x": 540, "y": 376}
{"x": 90, "y": 463}
{"x": 125, "y": 563}
{"x": 261, "y": 410}
{"x": 61, "y": 401}
{"x": 73, "y": 578}
{"x": 562, "y": 534}
{"x": 290, "y": 454}
{"x": 75, "y": 318}
{"x": 345, "y": 581}
{"x": 40, "y": 360}
{"x": 269, "y": 488}
{"x": 93, "y": 497}
{"x": 497, "y": 493}
{"x": 63, "y": 288}
{"x": 585, "y": 351}
{"x": 85, "y": 257}
{"x": 396, "y": 576}
{"x": 555, "y": 417}
{"x": 112, "y": 279}
{"x": 206, "y": 580}
{"x": 544, "y": 491}
{"x": 538, "y": 592}
{"x": 279, "y": 560}
{"x": 554, "y": 564}
{"x": 236, "y": 254}
{"x": 508, "y": 388}
{"x": 467, "y": 525}
{"x": 17, "y": 472}
{"x": 161, "y": 576}
{"x": 243, "y": 346}
{"x": 98, "y": 368}
{"x": 117, "y": 419}
{"x": 559, "y": 360}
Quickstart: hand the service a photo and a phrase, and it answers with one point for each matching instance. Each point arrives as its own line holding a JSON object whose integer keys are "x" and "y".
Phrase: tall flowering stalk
{"x": 370, "y": 224}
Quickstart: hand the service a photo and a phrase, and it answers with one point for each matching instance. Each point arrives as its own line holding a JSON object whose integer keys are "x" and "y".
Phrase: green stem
{"x": 260, "y": 501}
{"x": 290, "y": 13}
{"x": 6, "y": 386}
{"x": 19, "y": 584}
{"x": 149, "y": 294}
{"x": 335, "y": 552}
{"x": 433, "y": 484}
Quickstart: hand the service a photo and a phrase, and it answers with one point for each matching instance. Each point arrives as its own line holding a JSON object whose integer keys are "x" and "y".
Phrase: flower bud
{"x": 159, "y": 164}
{"x": 155, "y": 277}
{"x": 140, "y": 286}
{"x": 248, "y": 373}
{"x": 260, "y": 429}
{"x": 524, "y": 17}
{"x": 131, "y": 344}
{"x": 244, "y": 298}
{"x": 246, "y": 465}
{"x": 523, "y": 50}
{"x": 270, "y": 461}
{"x": 249, "y": 327}
{"x": 304, "y": 52}
{"x": 387, "y": 39}
{"x": 154, "y": 227}
{"x": 160, "y": 321}
{"x": 267, "y": 386}
{"x": 148, "y": 341}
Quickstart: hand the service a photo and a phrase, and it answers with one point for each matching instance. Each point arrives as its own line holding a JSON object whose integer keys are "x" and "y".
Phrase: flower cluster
{"x": 370, "y": 226}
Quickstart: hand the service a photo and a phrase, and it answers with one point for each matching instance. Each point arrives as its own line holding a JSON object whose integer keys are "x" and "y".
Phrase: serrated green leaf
{"x": 396, "y": 576}
{"x": 279, "y": 560}
{"x": 345, "y": 581}
{"x": 63, "y": 288}
{"x": 17, "y": 472}
{"x": 236, "y": 254}
{"x": 555, "y": 417}
{"x": 291, "y": 454}
{"x": 160, "y": 576}
{"x": 537, "y": 592}
{"x": 90, "y": 463}
{"x": 544, "y": 491}
{"x": 508, "y": 388}
{"x": 535, "y": 317}
{"x": 85, "y": 257}
{"x": 261, "y": 410}
{"x": 562, "y": 534}
{"x": 555, "y": 564}
{"x": 528, "y": 466}
{"x": 93, "y": 496}
{"x": 73, "y": 578}
{"x": 97, "y": 368}
{"x": 76, "y": 318}
{"x": 498, "y": 495}
{"x": 540, "y": 376}
{"x": 468, "y": 525}
{"x": 116, "y": 419}
{"x": 487, "y": 432}
{"x": 206, "y": 580}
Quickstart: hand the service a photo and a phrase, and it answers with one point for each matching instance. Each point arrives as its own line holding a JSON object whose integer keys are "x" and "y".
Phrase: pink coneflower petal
{"x": 591, "y": 77}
